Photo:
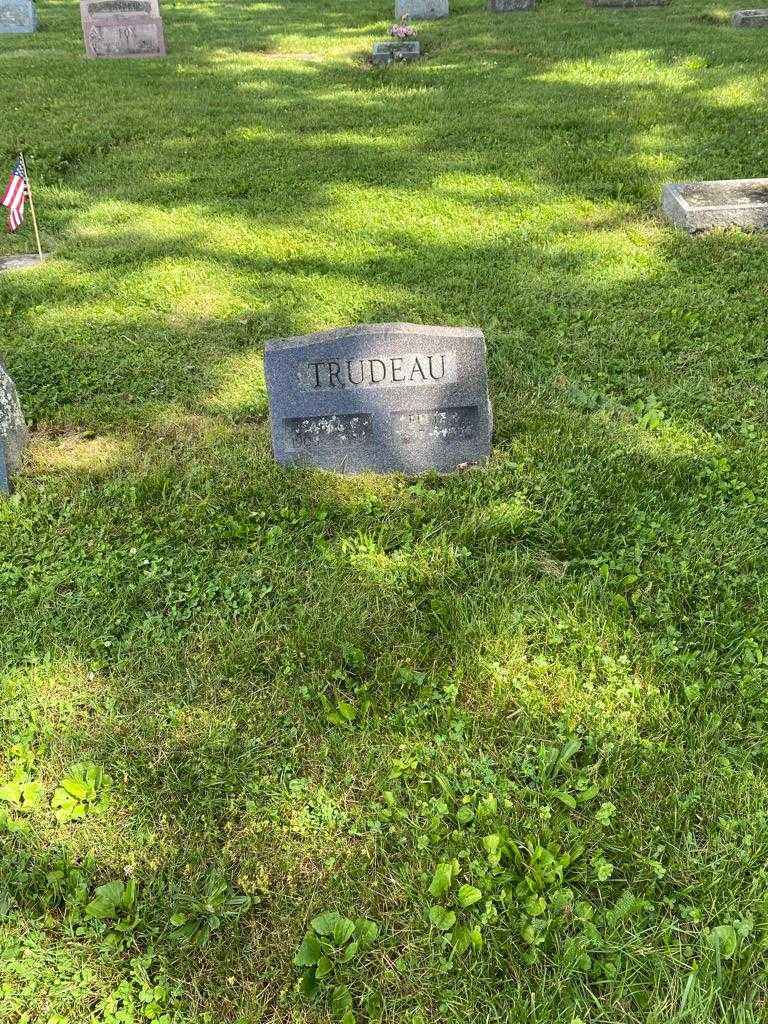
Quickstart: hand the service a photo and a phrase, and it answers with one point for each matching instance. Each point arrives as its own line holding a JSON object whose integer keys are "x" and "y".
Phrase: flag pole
{"x": 31, "y": 205}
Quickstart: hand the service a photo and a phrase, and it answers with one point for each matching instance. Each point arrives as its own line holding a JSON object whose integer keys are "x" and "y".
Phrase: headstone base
{"x": 510, "y": 6}
{"x": 421, "y": 10}
{"x": 750, "y": 19}
{"x": 395, "y": 52}
{"x": 698, "y": 206}
{"x": 25, "y": 262}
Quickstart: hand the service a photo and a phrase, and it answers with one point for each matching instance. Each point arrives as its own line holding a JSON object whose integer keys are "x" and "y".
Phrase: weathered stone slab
{"x": 421, "y": 10}
{"x": 122, "y": 28}
{"x": 22, "y": 262}
{"x": 125, "y": 38}
{"x": 17, "y": 16}
{"x": 381, "y": 398}
{"x": 750, "y": 19}
{"x": 627, "y": 3}
{"x": 705, "y": 205}
{"x": 13, "y": 431}
{"x": 396, "y": 51}
{"x": 510, "y": 6}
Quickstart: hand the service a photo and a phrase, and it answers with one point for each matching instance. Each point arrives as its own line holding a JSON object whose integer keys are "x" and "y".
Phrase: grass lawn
{"x": 517, "y": 716}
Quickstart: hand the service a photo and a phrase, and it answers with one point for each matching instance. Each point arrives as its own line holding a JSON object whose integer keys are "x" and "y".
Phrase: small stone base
{"x": 421, "y": 10}
{"x": 750, "y": 19}
{"x": 25, "y": 262}
{"x": 510, "y": 6}
{"x": 627, "y": 3}
{"x": 698, "y": 206}
{"x": 396, "y": 52}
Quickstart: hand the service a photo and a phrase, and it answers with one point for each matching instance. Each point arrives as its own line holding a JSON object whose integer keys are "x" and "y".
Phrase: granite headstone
{"x": 510, "y": 6}
{"x": 627, "y": 3}
{"x": 698, "y": 206}
{"x": 421, "y": 10}
{"x": 122, "y": 28}
{"x": 750, "y": 19}
{"x": 13, "y": 430}
{"x": 17, "y": 16}
{"x": 396, "y": 51}
{"x": 381, "y": 398}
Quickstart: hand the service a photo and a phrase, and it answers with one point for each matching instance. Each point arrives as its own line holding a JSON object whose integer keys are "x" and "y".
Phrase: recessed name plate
{"x": 380, "y": 398}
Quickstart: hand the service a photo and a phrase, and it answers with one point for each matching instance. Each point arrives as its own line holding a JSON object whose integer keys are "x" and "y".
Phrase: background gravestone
{"x": 421, "y": 10}
{"x": 627, "y": 3}
{"x": 13, "y": 430}
{"x": 510, "y": 6}
{"x": 380, "y": 397}
{"x": 750, "y": 19}
{"x": 17, "y": 16}
{"x": 122, "y": 28}
{"x": 704, "y": 205}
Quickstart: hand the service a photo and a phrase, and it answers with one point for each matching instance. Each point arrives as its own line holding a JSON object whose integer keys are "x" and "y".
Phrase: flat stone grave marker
{"x": 17, "y": 16}
{"x": 421, "y": 10}
{"x": 750, "y": 19}
{"x": 13, "y": 430}
{"x": 396, "y": 51}
{"x": 381, "y": 398}
{"x": 704, "y": 205}
{"x": 510, "y": 6}
{"x": 627, "y": 3}
{"x": 122, "y": 28}
{"x": 26, "y": 261}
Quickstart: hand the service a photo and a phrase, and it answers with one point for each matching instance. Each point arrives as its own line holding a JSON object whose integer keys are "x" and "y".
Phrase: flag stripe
{"x": 15, "y": 197}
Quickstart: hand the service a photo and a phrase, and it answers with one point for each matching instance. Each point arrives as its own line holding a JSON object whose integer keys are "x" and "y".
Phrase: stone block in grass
{"x": 396, "y": 52}
{"x": 421, "y": 10}
{"x": 698, "y": 206}
{"x": 13, "y": 430}
{"x": 17, "y": 16}
{"x": 122, "y": 28}
{"x": 380, "y": 398}
{"x": 626, "y": 4}
{"x": 750, "y": 19}
{"x": 510, "y": 6}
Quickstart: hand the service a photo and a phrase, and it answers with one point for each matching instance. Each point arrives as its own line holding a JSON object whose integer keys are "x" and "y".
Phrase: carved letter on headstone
{"x": 380, "y": 397}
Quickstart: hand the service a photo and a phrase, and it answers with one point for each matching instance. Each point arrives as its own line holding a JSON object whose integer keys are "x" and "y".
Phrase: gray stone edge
{"x": 373, "y": 330}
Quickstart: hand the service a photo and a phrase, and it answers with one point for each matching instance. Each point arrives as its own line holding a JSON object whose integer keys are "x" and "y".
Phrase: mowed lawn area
{"x": 515, "y": 717}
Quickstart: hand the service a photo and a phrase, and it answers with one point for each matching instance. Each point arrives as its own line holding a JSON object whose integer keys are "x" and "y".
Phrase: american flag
{"x": 15, "y": 196}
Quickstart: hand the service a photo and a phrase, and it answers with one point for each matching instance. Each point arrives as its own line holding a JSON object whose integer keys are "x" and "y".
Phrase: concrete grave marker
{"x": 396, "y": 51}
{"x": 17, "y": 16}
{"x": 750, "y": 19}
{"x": 421, "y": 10}
{"x": 627, "y": 3}
{"x": 703, "y": 205}
{"x": 510, "y": 6}
{"x": 13, "y": 430}
{"x": 122, "y": 28}
{"x": 380, "y": 397}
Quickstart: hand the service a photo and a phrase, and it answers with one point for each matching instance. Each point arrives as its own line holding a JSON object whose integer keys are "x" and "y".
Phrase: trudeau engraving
{"x": 307, "y": 432}
{"x": 436, "y": 425}
{"x": 428, "y": 368}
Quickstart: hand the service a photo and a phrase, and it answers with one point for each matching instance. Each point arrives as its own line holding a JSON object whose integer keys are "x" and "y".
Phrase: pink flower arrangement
{"x": 403, "y": 30}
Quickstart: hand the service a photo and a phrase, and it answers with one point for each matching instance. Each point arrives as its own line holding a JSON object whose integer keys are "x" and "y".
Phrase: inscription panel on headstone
{"x": 17, "y": 16}
{"x": 125, "y": 37}
{"x": 108, "y": 8}
{"x": 380, "y": 397}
